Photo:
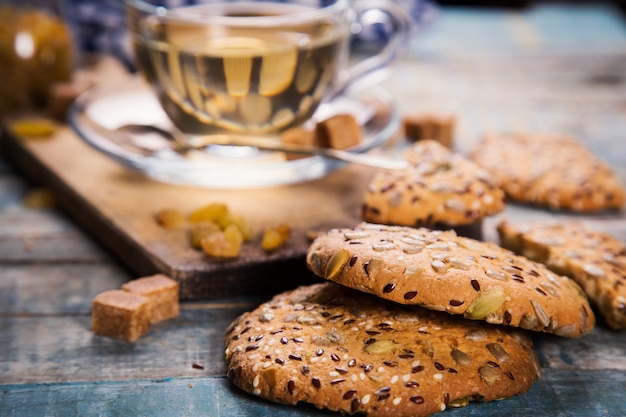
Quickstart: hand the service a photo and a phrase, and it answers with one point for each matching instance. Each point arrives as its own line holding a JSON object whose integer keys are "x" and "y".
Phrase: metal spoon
{"x": 186, "y": 144}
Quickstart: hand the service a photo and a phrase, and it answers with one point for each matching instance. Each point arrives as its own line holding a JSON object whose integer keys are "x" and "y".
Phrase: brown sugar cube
{"x": 299, "y": 136}
{"x": 417, "y": 126}
{"x": 162, "y": 293}
{"x": 430, "y": 126}
{"x": 339, "y": 132}
{"x": 120, "y": 315}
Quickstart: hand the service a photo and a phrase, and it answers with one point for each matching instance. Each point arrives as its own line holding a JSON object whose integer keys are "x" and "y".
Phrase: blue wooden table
{"x": 541, "y": 69}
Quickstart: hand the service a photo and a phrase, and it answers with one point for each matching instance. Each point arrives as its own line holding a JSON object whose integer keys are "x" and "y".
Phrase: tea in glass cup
{"x": 251, "y": 67}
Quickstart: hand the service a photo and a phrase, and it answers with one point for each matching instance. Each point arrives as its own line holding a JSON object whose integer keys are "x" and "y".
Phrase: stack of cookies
{"x": 416, "y": 318}
{"x": 413, "y": 321}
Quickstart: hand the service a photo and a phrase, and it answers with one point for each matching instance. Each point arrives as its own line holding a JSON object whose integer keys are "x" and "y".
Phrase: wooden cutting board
{"x": 117, "y": 207}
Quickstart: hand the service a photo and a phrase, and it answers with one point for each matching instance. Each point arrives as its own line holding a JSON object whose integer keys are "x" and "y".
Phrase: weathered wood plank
{"x": 602, "y": 349}
{"x": 21, "y": 221}
{"x": 12, "y": 188}
{"x": 51, "y": 349}
{"x": 39, "y": 346}
{"x": 68, "y": 289}
{"x": 558, "y": 393}
{"x": 53, "y": 249}
{"x": 56, "y": 289}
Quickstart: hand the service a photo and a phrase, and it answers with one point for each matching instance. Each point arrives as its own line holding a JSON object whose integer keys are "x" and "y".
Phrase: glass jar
{"x": 36, "y": 50}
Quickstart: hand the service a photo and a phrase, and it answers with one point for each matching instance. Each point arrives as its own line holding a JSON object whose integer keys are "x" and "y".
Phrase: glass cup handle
{"x": 357, "y": 75}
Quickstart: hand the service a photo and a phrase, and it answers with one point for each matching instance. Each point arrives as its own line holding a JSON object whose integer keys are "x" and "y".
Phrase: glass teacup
{"x": 253, "y": 67}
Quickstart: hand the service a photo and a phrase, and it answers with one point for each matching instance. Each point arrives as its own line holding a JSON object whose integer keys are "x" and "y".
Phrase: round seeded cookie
{"x": 554, "y": 170}
{"x": 442, "y": 271}
{"x": 439, "y": 188}
{"x": 596, "y": 261}
{"x": 347, "y": 351}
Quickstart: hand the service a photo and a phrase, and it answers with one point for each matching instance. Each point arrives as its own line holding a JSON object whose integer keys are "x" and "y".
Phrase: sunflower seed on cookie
{"x": 442, "y": 271}
{"x": 440, "y": 187}
{"x": 551, "y": 170}
{"x": 595, "y": 260}
{"x": 346, "y": 351}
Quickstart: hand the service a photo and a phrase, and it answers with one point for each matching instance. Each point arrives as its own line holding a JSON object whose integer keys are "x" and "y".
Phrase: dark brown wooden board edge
{"x": 252, "y": 278}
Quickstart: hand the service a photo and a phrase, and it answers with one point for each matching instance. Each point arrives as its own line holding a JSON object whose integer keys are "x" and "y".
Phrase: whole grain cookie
{"x": 596, "y": 261}
{"x": 343, "y": 350}
{"x": 552, "y": 170}
{"x": 442, "y": 271}
{"x": 439, "y": 188}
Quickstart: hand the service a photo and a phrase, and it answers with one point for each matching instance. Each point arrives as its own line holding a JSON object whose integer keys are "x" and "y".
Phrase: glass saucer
{"x": 97, "y": 114}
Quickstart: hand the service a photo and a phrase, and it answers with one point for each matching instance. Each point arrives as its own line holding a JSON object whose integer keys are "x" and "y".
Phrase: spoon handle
{"x": 182, "y": 143}
{"x": 376, "y": 161}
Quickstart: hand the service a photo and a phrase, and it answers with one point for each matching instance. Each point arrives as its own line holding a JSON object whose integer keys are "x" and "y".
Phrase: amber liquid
{"x": 244, "y": 80}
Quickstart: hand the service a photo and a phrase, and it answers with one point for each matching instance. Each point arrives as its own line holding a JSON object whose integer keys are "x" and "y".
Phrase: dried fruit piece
{"x": 241, "y": 223}
{"x": 199, "y": 231}
{"x": 170, "y": 218}
{"x": 209, "y": 213}
{"x": 226, "y": 244}
{"x": 34, "y": 128}
{"x": 485, "y": 304}
{"x": 275, "y": 237}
